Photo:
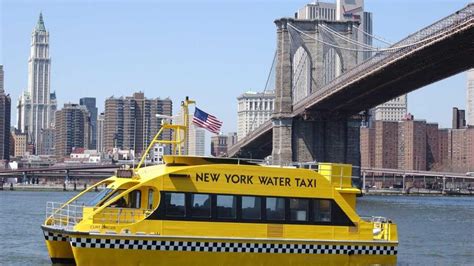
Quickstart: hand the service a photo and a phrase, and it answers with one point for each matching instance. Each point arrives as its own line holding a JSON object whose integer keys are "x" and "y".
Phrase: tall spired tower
{"x": 36, "y": 107}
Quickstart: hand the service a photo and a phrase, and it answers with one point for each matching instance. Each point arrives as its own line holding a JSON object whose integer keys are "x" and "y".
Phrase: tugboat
{"x": 219, "y": 211}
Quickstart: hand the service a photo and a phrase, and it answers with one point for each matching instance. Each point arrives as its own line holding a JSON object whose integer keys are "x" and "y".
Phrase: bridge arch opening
{"x": 333, "y": 65}
{"x": 301, "y": 76}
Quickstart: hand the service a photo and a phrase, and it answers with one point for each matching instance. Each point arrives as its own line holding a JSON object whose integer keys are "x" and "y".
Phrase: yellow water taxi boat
{"x": 213, "y": 211}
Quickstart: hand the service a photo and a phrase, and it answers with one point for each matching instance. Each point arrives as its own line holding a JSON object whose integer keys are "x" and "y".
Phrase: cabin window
{"x": 174, "y": 204}
{"x": 299, "y": 209}
{"x": 150, "y": 199}
{"x": 200, "y": 205}
{"x": 322, "y": 210}
{"x": 226, "y": 206}
{"x": 251, "y": 208}
{"x": 134, "y": 199}
{"x": 275, "y": 209}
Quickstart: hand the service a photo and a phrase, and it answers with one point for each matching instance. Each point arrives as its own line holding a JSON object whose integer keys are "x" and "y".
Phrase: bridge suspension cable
{"x": 272, "y": 70}
{"x": 373, "y": 36}
{"x": 333, "y": 32}
{"x": 327, "y": 43}
{"x": 388, "y": 49}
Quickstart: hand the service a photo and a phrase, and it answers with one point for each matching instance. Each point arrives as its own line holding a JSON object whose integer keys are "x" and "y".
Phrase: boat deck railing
{"x": 63, "y": 216}
{"x": 375, "y": 219}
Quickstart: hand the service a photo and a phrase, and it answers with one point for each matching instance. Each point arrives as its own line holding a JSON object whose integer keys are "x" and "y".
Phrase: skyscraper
{"x": 71, "y": 129}
{"x": 37, "y": 106}
{"x": 5, "y": 114}
{"x": 131, "y": 123}
{"x": 459, "y": 118}
{"x": 90, "y": 104}
{"x": 470, "y": 98}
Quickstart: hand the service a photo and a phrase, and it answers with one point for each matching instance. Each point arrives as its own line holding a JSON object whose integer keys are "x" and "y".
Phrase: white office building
{"x": 393, "y": 110}
{"x": 253, "y": 109}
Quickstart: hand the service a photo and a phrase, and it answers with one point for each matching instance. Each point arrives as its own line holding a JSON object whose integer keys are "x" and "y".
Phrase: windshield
{"x": 111, "y": 196}
{"x": 101, "y": 195}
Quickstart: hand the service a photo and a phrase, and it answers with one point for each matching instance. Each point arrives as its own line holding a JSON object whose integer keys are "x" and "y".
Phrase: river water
{"x": 432, "y": 230}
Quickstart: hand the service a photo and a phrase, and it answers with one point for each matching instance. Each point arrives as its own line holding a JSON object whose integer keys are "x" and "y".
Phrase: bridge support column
{"x": 282, "y": 150}
{"x": 282, "y": 119}
{"x": 327, "y": 140}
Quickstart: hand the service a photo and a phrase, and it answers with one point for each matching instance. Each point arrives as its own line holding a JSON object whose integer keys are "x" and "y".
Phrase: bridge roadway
{"x": 441, "y": 50}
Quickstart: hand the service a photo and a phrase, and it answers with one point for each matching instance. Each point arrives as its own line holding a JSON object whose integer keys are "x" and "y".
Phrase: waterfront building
{"x": 19, "y": 143}
{"x": 367, "y": 147}
{"x": 461, "y": 150}
{"x": 219, "y": 145}
{"x": 37, "y": 106}
{"x": 432, "y": 145}
{"x": 71, "y": 129}
{"x": 386, "y": 142}
{"x": 470, "y": 97}
{"x": 100, "y": 132}
{"x": 5, "y": 116}
{"x": 412, "y": 145}
{"x": 459, "y": 118}
{"x": 253, "y": 109}
{"x": 130, "y": 123}
{"x": 90, "y": 104}
{"x": 419, "y": 146}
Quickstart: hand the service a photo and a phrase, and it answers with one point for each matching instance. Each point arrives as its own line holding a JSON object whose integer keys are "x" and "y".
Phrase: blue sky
{"x": 210, "y": 50}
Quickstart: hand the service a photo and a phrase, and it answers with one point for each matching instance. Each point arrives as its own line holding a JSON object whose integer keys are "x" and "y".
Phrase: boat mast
{"x": 178, "y": 138}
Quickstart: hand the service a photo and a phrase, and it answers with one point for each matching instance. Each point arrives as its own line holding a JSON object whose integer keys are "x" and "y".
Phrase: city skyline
{"x": 200, "y": 76}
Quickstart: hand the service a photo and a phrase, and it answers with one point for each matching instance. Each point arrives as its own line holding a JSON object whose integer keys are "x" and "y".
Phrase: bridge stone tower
{"x": 309, "y": 56}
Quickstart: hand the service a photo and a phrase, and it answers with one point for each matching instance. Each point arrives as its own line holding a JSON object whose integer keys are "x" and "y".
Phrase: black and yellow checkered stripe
{"x": 50, "y": 236}
{"x": 204, "y": 246}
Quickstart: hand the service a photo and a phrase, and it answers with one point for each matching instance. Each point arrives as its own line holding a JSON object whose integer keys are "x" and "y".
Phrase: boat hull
{"x": 119, "y": 250}
{"x": 58, "y": 245}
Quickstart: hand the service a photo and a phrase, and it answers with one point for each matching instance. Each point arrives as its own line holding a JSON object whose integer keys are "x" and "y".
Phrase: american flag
{"x": 207, "y": 121}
